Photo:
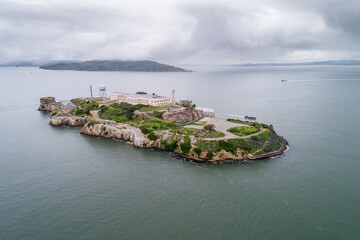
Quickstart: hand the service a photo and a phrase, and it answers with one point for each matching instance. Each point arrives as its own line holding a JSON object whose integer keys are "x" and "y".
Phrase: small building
{"x": 186, "y": 103}
{"x": 205, "y": 112}
{"x": 145, "y": 99}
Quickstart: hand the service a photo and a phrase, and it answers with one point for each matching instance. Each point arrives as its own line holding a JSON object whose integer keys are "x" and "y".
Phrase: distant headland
{"x": 159, "y": 122}
{"x": 136, "y": 66}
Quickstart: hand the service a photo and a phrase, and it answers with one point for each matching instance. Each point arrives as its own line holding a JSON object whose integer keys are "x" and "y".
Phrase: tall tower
{"x": 102, "y": 91}
{"x": 173, "y": 98}
{"x": 91, "y": 95}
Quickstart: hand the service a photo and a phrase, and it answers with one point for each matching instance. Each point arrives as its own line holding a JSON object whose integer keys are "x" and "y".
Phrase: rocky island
{"x": 182, "y": 129}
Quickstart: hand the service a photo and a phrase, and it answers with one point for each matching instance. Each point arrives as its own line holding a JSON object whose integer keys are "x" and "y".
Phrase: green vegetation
{"x": 122, "y": 112}
{"x": 172, "y": 145}
{"x": 199, "y": 123}
{"x": 78, "y": 101}
{"x": 153, "y": 108}
{"x": 243, "y": 131}
{"x": 152, "y": 136}
{"x": 142, "y": 66}
{"x": 275, "y": 143}
{"x": 198, "y": 151}
{"x": 186, "y": 145}
{"x": 265, "y": 134}
{"x": 125, "y": 113}
{"x": 250, "y": 145}
{"x": 209, "y": 155}
{"x": 84, "y": 107}
{"x": 198, "y": 132}
{"x": 53, "y": 113}
{"x": 254, "y": 124}
{"x": 158, "y": 114}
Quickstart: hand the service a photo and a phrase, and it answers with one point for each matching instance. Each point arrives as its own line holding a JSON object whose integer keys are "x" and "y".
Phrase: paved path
{"x": 222, "y": 125}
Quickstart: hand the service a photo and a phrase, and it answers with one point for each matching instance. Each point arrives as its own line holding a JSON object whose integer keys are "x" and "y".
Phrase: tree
{"x": 209, "y": 127}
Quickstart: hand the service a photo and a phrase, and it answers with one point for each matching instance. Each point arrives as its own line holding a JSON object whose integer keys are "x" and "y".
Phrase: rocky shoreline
{"x": 165, "y": 140}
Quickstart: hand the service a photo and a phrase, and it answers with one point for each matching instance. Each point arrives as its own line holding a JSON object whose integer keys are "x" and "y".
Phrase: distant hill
{"x": 19, "y": 64}
{"x": 138, "y": 66}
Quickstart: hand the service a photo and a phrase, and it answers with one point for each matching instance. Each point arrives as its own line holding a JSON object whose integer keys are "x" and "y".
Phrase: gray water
{"x": 58, "y": 184}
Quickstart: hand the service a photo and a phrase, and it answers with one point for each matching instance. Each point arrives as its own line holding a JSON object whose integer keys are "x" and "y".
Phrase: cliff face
{"x": 118, "y": 131}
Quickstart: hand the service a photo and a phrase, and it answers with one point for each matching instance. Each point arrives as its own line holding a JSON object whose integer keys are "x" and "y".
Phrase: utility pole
{"x": 91, "y": 96}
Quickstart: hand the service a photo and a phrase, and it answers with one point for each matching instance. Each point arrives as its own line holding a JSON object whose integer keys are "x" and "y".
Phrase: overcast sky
{"x": 180, "y": 31}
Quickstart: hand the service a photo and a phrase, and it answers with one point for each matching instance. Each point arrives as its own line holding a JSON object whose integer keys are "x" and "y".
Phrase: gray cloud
{"x": 182, "y": 31}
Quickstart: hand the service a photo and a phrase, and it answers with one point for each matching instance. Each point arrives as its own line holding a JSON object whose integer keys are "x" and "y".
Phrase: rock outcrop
{"x": 119, "y": 131}
{"x": 180, "y": 115}
{"x": 66, "y": 119}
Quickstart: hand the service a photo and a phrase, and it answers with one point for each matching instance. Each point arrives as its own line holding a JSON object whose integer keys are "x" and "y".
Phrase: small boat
{"x": 250, "y": 117}
{"x": 284, "y": 80}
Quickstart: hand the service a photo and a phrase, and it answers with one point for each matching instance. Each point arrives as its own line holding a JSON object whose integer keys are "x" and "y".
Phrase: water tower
{"x": 102, "y": 91}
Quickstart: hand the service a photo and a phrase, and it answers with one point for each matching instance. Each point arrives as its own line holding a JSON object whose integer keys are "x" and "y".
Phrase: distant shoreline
{"x": 114, "y": 66}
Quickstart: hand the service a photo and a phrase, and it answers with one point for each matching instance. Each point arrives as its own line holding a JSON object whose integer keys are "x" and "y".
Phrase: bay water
{"x": 58, "y": 184}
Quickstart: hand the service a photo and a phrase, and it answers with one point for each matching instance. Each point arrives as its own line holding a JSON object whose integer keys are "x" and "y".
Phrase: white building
{"x": 205, "y": 112}
{"x": 145, "y": 99}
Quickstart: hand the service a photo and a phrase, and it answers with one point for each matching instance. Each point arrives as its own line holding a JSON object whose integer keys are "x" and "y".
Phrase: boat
{"x": 284, "y": 80}
{"x": 250, "y": 117}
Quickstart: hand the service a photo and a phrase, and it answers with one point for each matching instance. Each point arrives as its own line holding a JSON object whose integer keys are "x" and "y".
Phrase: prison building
{"x": 145, "y": 99}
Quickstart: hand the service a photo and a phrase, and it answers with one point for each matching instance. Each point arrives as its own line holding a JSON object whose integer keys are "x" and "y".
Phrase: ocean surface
{"x": 58, "y": 184}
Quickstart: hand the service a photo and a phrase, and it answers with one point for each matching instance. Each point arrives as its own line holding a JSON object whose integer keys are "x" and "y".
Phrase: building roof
{"x": 205, "y": 109}
{"x": 134, "y": 95}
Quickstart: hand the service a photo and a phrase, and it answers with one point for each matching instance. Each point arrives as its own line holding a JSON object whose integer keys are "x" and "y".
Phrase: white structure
{"x": 145, "y": 99}
{"x": 173, "y": 98}
{"x": 102, "y": 91}
{"x": 205, "y": 112}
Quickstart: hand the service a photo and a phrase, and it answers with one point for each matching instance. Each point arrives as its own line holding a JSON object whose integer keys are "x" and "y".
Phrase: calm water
{"x": 58, "y": 184}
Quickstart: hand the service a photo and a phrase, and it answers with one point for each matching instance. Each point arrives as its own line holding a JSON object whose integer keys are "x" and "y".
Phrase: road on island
{"x": 223, "y": 125}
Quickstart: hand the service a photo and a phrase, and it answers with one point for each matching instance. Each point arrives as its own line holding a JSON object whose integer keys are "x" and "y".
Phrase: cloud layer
{"x": 180, "y": 31}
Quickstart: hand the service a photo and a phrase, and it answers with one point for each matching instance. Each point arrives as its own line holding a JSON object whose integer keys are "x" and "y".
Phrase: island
{"x": 154, "y": 122}
{"x": 138, "y": 66}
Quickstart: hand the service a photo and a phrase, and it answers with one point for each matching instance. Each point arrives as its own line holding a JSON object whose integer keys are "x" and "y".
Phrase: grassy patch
{"x": 153, "y": 108}
{"x": 254, "y": 124}
{"x": 199, "y": 123}
{"x": 265, "y": 134}
{"x": 84, "y": 107}
{"x": 243, "y": 131}
{"x": 198, "y": 132}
